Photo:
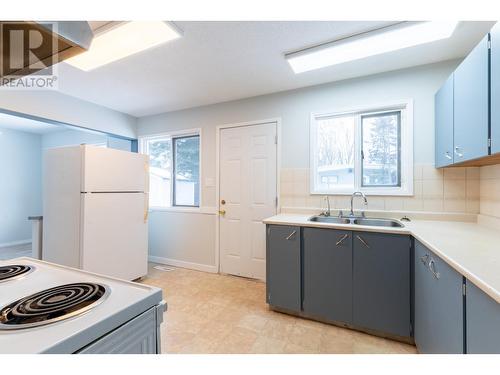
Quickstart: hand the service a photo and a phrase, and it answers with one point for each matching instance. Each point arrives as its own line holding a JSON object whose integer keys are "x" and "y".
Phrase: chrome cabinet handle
{"x": 342, "y": 239}
{"x": 447, "y": 155}
{"x": 362, "y": 241}
{"x": 432, "y": 268}
{"x": 459, "y": 154}
{"x": 291, "y": 235}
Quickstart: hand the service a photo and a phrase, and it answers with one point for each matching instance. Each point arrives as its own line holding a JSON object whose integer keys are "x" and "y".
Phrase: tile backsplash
{"x": 489, "y": 177}
{"x": 435, "y": 190}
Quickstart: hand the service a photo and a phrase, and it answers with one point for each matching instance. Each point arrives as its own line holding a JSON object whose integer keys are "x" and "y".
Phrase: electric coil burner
{"x": 13, "y": 271}
{"x": 52, "y": 305}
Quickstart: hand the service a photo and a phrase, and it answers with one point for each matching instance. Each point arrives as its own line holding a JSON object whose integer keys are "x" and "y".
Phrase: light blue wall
{"x": 119, "y": 144}
{"x": 20, "y": 184}
{"x": 69, "y": 137}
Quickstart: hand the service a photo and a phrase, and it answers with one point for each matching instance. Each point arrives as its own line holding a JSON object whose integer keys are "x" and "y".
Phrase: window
{"x": 174, "y": 169}
{"x": 368, "y": 150}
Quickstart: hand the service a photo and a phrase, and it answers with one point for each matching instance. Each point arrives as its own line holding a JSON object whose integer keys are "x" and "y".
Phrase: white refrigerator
{"x": 95, "y": 210}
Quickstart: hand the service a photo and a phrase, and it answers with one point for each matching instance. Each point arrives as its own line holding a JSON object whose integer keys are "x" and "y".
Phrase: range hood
{"x": 69, "y": 38}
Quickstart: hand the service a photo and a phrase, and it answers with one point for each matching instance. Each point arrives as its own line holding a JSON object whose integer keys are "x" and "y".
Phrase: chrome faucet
{"x": 328, "y": 211}
{"x": 352, "y": 199}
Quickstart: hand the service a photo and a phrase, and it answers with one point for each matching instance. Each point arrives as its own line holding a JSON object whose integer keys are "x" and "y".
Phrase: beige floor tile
{"x": 253, "y": 322}
{"x": 307, "y": 337}
{"x": 209, "y": 313}
{"x": 267, "y": 345}
{"x": 238, "y": 341}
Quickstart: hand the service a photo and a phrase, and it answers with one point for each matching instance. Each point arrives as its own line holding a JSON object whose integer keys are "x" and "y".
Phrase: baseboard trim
{"x": 183, "y": 264}
{"x": 15, "y": 243}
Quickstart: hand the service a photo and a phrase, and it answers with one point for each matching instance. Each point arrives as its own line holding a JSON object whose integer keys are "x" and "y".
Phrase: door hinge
{"x": 411, "y": 329}
{"x": 489, "y": 142}
{"x": 276, "y": 201}
{"x": 489, "y": 44}
{"x": 464, "y": 289}
{"x": 275, "y": 139}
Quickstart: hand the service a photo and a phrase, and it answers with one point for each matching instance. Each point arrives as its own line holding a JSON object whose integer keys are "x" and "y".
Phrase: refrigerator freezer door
{"x": 115, "y": 234}
{"x": 108, "y": 170}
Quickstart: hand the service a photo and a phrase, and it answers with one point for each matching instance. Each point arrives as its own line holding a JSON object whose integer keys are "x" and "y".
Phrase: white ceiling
{"x": 221, "y": 61}
{"x": 27, "y": 125}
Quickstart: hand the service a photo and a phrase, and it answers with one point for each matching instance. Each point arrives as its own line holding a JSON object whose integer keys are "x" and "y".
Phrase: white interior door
{"x": 248, "y": 194}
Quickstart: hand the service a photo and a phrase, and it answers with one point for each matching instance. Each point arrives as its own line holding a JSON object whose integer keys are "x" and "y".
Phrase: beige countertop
{"x": 470, "y": 248}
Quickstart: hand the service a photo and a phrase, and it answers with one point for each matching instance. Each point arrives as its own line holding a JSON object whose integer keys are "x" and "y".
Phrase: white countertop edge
{"x": 302, "y": 221}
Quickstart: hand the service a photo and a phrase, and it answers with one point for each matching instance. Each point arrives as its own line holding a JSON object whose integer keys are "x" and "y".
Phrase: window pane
{"x": 334, "y": 153}
{"x": 187, "y": 168}
{"x": 160, "y": 166}
{"x": 381, "y": 149}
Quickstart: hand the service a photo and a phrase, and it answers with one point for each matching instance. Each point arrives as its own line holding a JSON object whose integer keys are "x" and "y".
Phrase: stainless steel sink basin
{"x": 358, "y": 221}
{"x": 330, "y": 219}
{"x": 378, "y": 222}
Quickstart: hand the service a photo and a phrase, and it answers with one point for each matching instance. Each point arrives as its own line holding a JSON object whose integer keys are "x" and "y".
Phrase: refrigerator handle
{"x": 146, "y": 207}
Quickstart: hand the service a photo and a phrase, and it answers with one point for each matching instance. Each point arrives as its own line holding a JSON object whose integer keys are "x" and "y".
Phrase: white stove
{"x": 48, "y": 308}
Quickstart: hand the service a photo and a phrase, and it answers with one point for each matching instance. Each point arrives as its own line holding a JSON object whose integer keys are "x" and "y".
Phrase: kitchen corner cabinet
{"x": 495, "y": 88}
{"x": 381, "y": 282}
{"x": 471, "y": 124}
{"x": 439, "y": 321}
{"x": 483, "y": 322}
{"x": 444, "y": 124}
{"x": 283, "y": 279}
{"x": 327, "y": 267}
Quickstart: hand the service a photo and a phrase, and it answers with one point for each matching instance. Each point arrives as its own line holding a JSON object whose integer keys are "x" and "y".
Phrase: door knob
{"x": 222, "y": 212}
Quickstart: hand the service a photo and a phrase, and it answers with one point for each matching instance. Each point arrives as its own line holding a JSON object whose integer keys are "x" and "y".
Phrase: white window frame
{"x": 406, "y": 188}
{"x": 174, "y": 134}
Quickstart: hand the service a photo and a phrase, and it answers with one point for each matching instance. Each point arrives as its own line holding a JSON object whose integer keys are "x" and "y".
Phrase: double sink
{"x": 375, "y": 222}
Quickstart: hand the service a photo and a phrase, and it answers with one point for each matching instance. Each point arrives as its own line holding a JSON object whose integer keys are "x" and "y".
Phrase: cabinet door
{"x": 283, "y": 277}
{"x": 381, "y": 282}
{"x": 471, "y": 105}
{"x": 438, "y": 305}
{"x": 483, "y": 322}
{"x": 327, "y": 267}
{"x": 443, "y": 103}
{"x": 495, "y": 88}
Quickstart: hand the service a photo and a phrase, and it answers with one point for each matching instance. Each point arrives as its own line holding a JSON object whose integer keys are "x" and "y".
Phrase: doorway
{"x": 248, "y": 186}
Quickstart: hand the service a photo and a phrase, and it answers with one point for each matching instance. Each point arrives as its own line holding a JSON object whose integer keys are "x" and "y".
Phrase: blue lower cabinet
{"x": 483, "y": 322}
{"x": 381, "y": 282}
{"x": 283, "y": 274}
{"x": 327, "y": 274}
{"x": 439, "y": 305}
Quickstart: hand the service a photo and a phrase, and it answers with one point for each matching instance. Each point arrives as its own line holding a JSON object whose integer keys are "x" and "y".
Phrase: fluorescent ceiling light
{"x": 124, "y": 40}
{"x": 407, "y": 34}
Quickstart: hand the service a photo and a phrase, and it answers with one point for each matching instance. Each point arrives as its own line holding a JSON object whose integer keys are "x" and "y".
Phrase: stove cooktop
{"x": 14, "y": 271}
{"x": 52, "y": 305}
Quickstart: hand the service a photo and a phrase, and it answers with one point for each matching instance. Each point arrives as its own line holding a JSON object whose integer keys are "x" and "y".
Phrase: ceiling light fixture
{"x": 391, "y": 38}
{"x": 124, "y": 40}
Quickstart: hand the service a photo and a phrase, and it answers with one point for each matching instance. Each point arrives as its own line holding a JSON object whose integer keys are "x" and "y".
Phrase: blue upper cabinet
{"x": 495, "y": 88}
{"x": 471, "y": 104}
{"x": 444, "y": 124}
